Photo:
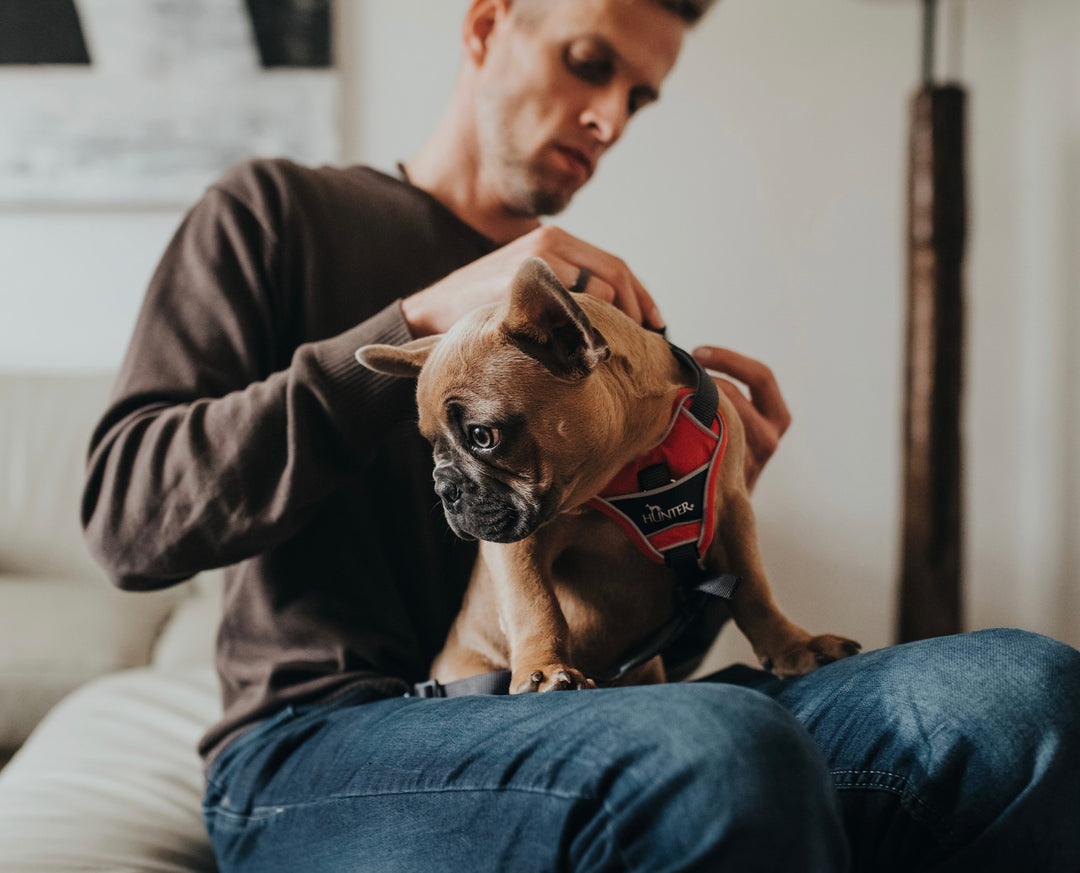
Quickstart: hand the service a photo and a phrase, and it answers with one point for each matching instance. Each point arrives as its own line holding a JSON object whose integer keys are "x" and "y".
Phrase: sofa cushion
{"x": 111, "y": 780}
{"x": 61, "y": 622}
{"x": 45, "y": 425}
{"x": 56, "y": 634}
{"x": 189, "y": 636}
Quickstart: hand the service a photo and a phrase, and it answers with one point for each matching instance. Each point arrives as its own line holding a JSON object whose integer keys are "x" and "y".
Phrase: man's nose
{"x": 606, "y": 116}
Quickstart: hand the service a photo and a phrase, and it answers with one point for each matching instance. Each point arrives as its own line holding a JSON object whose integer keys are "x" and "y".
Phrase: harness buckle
{"x": 427, "y": 688}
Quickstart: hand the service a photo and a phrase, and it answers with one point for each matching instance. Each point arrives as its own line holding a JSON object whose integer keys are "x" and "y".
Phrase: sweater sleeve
{"x": 216, "y": 445}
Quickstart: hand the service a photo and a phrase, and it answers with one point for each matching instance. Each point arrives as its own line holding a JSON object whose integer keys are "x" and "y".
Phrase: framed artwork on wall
{"x": 145, "y": 102}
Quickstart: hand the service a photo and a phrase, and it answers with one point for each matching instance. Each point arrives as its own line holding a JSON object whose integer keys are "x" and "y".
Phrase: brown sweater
{"x": 243, "y": 434}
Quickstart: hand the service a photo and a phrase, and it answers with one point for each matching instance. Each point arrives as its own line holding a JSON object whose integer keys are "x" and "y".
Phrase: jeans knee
{"x": 719, "y": 773}
{"x": 1022, "y": 674}
{"x": 1000, "y": 743}
{"x": 755, "y": 742}
{"x": 987, "y": 714}
{"x": 718, "y": 731}
{"x": 1047, "y": 690}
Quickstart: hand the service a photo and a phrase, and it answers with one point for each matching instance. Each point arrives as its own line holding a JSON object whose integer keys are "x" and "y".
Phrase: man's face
{"x": 557, "y": 87}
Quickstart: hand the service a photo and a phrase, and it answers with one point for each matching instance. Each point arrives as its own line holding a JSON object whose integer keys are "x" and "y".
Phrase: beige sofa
{"x": 103, "y": 694}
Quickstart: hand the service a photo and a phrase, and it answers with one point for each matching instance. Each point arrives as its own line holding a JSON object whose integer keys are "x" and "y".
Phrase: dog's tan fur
{"x": 560, "y": 605}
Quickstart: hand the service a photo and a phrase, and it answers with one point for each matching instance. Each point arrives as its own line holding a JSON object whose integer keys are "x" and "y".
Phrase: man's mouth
{"x": 576, "y": 161}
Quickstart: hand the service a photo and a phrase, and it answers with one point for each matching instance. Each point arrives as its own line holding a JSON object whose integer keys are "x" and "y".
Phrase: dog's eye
{"x": 483, "y": 437}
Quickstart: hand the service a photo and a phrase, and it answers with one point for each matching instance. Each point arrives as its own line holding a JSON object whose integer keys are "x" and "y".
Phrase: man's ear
{"x": 546, "y": 323}
{"x": 480, "y": 20}
{"x": 406, "y": 360}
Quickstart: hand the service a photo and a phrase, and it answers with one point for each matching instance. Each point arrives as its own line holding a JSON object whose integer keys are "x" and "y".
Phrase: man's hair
{"x": 690, "y": 11}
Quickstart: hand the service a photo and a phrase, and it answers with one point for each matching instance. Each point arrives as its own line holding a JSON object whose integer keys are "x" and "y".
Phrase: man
{"x": 243, "y": 433}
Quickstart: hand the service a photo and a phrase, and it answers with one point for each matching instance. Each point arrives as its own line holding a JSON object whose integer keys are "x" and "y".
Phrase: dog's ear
{"x": 546, "y": 323}
{"x": 406, "y": 360}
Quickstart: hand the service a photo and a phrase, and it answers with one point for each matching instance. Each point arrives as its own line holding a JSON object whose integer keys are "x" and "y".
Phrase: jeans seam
{"x": 254, "y": 817}
{"x": 909, "y": 798}
{"x": 261, "y": 812}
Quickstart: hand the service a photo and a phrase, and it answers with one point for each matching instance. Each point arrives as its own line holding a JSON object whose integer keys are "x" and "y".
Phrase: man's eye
{"x": 589, "y": 66}
{"x": 484, "y": 437}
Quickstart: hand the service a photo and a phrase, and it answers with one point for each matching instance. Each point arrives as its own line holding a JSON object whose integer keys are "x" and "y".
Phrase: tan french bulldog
{"x": 532, "y": 406}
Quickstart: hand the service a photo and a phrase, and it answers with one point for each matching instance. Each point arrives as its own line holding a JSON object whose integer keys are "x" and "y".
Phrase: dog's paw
{"x": 809, "y": 654}
{"x": 555, "y": 677}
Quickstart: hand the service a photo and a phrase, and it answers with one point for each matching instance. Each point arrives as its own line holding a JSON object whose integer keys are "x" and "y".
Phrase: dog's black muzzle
{"x": 483, "y": 509}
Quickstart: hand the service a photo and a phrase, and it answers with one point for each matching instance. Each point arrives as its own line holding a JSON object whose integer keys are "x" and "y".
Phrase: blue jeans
{"x": 953, "y": 754}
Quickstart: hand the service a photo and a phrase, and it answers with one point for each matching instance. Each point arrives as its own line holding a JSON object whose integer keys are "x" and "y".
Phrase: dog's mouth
{"x": 492, "y": 521}
{"x": 502, "y": 529}
{"x": 489, "y": 512}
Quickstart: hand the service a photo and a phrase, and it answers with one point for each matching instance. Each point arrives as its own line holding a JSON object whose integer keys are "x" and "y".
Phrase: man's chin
{"x": 542, "y": 196}
{"x": 539, "y": 202}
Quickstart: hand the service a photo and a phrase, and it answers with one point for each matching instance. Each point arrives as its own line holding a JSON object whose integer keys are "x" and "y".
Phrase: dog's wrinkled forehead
{"x": 476, "y": 365}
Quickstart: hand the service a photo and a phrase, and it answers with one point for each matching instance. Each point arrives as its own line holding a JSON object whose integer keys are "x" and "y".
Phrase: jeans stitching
{"x": 262, "y": 813}
{"x": 870, "y": 772}
{"x": 909, "y": 799}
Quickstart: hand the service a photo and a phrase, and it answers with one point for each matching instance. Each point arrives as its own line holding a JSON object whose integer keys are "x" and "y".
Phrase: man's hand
{"x": 487, "y": 279}
{"x": 764, "y": 414}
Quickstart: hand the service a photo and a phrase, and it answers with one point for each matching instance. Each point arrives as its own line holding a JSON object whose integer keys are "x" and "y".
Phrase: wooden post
{"x": 930, "y": 586}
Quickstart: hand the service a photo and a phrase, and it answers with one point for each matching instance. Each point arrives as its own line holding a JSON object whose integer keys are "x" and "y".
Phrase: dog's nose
{"x": 448, "y": 492}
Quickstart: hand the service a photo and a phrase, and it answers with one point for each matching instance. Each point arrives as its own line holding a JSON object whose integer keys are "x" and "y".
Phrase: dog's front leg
{"x": 781, "y": 645}
{"x": 537, "y": 634}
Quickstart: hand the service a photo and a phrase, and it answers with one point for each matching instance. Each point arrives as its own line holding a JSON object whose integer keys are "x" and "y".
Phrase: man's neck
{"x": 448, "y": 169}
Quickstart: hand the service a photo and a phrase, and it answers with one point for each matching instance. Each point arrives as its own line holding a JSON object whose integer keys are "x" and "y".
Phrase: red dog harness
{"x": 664, "y": 500}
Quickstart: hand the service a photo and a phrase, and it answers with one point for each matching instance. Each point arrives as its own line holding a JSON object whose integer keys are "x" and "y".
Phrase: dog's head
{"x": 506, "y": 401}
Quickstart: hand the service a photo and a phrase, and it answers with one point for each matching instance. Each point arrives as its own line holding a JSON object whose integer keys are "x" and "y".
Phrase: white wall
{"x": 762, "y": 202}
{"x": 1023, "y": 422}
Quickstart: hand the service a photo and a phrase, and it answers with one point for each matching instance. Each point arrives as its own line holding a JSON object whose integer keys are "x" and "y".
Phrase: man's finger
{"x": 762, "y": 439}
{"x": 626, "y": 297}
{"x": 610, "y": 278}
{"x": 600, "y": 289}
{"x": 764, "y": 390}
{"x": 754, "y": 423}
{"x": 570, "y": 274}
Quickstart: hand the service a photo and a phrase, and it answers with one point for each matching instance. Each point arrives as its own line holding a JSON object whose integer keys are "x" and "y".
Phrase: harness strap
{"x": 703, "y": 406}
{"x": 496, "y": 682}
{"x": 691, "y": 602}
{"x": 706, "y": 395}
{"x": 653, "y": 477}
